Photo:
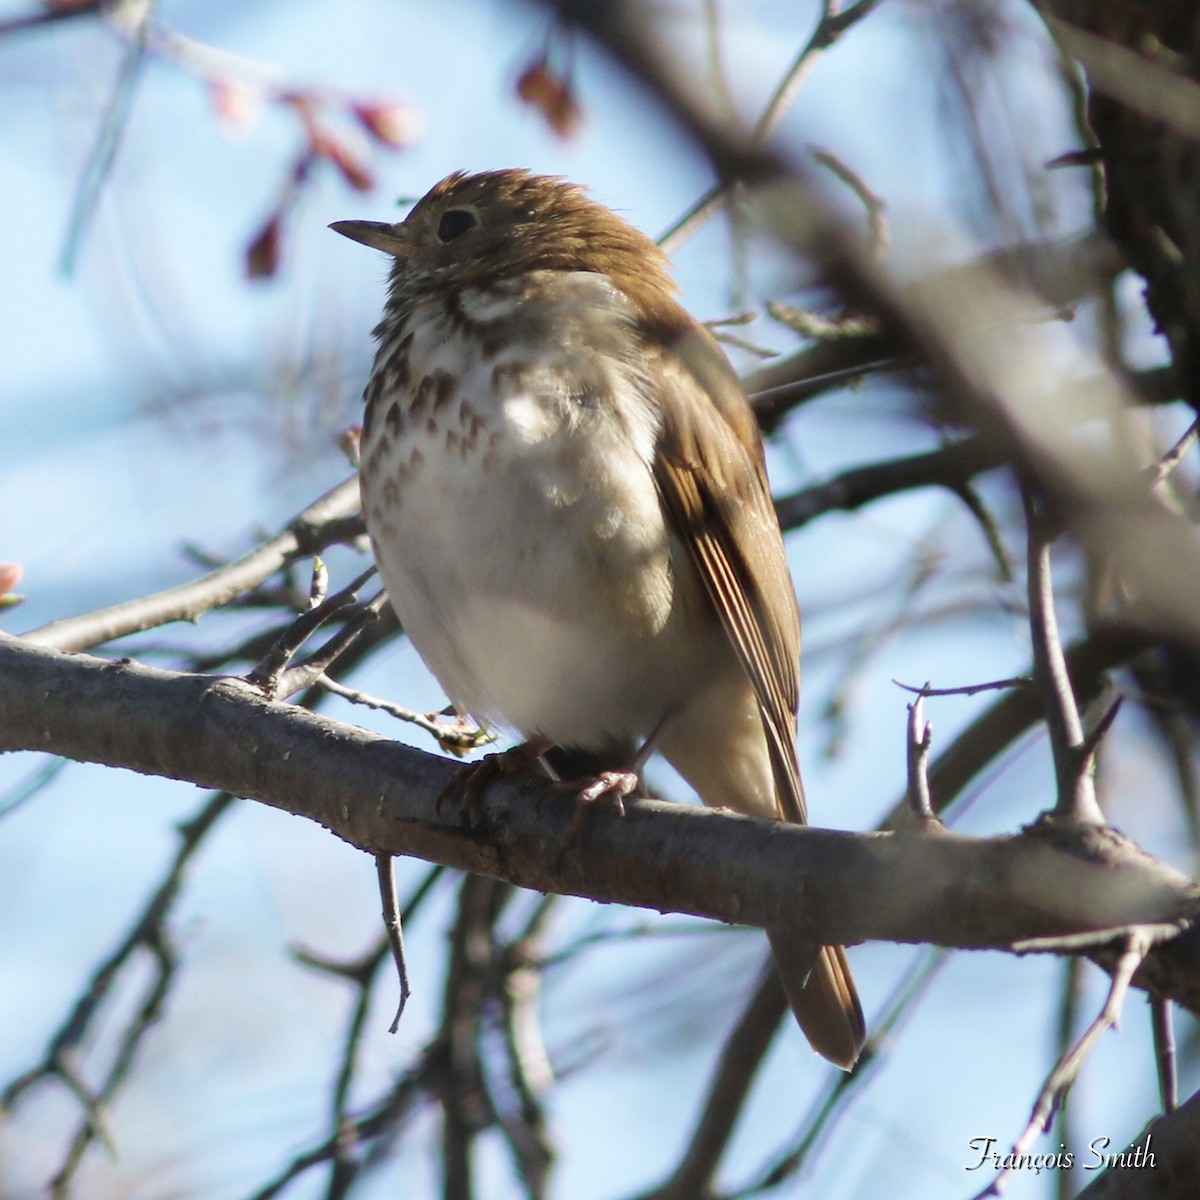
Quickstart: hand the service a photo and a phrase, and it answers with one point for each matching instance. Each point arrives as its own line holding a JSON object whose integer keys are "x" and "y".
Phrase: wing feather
{"x": 712, "y": 478}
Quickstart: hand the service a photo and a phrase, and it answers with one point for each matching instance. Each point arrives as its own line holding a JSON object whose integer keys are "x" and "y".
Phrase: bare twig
{"x": 1072, "y": 763}
{"x": 920, "y": 738}
{"x": 833, "y": 23}
{"x": 347, "y": 1145}
{"x": 308, "y": 671}
{"x": 316, "y": 527}
{"x": 818, "y": 326}
{"x": 268, "y": 673}
{"x": 1162, "y": 469}
{"x": 872, "y": 202}
{"x": 969, "y": 689}
{"x": 1067, "y": 1069}
{"x": 392, "y": 922}
{"x": 456, "y": 738}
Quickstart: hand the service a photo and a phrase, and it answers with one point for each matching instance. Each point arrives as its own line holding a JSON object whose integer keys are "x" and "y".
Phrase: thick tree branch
{"x": 1045, "y": 889}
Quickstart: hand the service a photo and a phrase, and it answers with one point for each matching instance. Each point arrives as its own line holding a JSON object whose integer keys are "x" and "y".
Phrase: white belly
{"x": 527, "y": 556}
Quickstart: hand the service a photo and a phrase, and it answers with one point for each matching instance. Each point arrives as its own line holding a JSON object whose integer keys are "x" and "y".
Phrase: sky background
{"x": 155, "y": 398}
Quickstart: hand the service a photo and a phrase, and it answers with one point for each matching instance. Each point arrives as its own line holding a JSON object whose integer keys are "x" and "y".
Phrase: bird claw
{"x": 612, "y": 786}
{"x": 469, "y": 783}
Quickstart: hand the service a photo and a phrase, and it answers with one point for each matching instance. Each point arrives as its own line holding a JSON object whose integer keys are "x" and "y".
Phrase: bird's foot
{"x": 469, "y": 784}
{"x": 609, "y": 786}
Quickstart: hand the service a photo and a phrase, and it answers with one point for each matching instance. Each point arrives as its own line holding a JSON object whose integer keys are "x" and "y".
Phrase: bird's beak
{"x": 376, "y": 234}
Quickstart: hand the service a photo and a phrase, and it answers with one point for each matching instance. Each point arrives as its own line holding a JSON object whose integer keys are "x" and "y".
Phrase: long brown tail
{"x": 826, "y": 1002}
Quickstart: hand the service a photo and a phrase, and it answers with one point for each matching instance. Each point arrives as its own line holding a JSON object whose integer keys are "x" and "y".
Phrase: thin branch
{"x": 969, "y": 689}
{"x": 268, "y": 673}
{"x": 821, "y": 1119}
{"x": 737, "y": 1066}
{"x": 920, "y": 738}
{"x": 456, "y": 738}
{"x": 873, "y": 204}
{"x": 394, "y": 925}
{"x": 1076, "y": 790}
{"x": 529, "y": 1074}
{"x": 466, "y": 1109}
{"x": 345, "y": 1147}
{"x": 1068, "y": 1014}
{"x": 833, "y": 23}
{"x": 948, "y": 466}
{"x": 318, "y": 526}
{"x": 108, "y": 136}
{"x": 1066, "y": 1070}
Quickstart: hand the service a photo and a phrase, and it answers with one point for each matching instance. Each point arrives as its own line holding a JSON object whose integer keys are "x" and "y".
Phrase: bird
{"x": 565, "y": 490}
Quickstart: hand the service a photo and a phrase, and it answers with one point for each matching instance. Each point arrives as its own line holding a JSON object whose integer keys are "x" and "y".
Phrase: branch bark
{"x": 1048, "y": 888}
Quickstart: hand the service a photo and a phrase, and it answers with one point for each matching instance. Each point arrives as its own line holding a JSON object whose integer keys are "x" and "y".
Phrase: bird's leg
{"x": 613, "y": 785}
{"x": 470, "y": 781}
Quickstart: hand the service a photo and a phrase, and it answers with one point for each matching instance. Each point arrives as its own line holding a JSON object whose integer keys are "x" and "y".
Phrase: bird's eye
{"x": 455, "y": 223}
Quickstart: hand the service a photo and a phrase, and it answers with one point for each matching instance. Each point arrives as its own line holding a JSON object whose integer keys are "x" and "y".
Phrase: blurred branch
{"x": 745, "y": 1047}
{"x": 529, "y": 1077}
{"x": 1152, "y": 89}
{"x": 819, "y": 1122}
{"x": 112, "y": 125}
{"x": 51, "y": 16}
{"x": 834, "y": 22}
{"x": 466, "y": 1106}
{"x": 949, "y": 466}
{"x": 62, "y": 1059}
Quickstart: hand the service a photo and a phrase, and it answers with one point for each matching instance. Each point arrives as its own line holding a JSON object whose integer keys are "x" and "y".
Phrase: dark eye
{"x": 455, "y": 223}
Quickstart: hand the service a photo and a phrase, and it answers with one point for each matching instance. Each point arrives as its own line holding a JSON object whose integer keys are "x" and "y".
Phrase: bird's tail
{"x": 823, "y": 999}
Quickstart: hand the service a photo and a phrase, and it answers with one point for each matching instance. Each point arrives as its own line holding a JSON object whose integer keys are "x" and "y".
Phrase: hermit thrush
{"x": 565, "y": 490}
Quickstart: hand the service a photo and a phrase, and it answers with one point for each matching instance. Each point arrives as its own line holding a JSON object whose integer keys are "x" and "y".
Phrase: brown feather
{"x": 712, "y": 477}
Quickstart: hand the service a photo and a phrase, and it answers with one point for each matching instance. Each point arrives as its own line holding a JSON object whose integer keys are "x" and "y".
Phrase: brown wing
{"x": 713, "y": 481}
{"x": 712, "y": 478}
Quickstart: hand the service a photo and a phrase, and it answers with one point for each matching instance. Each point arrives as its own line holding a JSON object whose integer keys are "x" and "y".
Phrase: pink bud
{"x": 262, "y": 255}
{"x": 551, "y": 96}
{"x": 391, "y": 122}
{"x": 10, "y": 576}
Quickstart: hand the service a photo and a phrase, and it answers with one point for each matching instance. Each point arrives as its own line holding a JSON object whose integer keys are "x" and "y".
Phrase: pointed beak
{"x": 376, "y": 234}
